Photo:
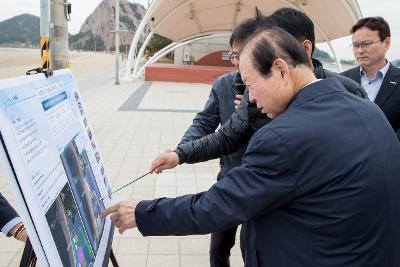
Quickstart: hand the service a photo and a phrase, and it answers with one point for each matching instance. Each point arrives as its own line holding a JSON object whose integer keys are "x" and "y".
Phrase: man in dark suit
{"x": 380, "y": 79}
{"x": 10, "y": 223}
{"x": 318, "y": 185}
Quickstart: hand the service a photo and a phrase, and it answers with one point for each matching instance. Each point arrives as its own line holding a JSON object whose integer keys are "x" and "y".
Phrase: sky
{"x": 81, "y": 9}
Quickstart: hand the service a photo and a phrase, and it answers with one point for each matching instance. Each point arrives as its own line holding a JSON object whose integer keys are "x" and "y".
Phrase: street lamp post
{"x": 116, "y": 42}
{"x": 117, "y": 31}
{"x": 59, "y": 16}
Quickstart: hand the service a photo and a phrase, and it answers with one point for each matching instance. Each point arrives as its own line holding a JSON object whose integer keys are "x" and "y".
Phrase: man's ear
{"x": 307, "y": 44}
{"x": 387, "y": 43}
{"x": 281, "y": 66}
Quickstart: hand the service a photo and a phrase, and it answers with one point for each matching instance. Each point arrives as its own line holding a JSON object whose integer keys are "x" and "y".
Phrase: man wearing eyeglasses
{"x": 380, "y": 79}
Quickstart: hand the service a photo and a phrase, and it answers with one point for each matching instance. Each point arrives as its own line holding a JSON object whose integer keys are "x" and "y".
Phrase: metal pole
{"x": 58, "y": 34}
{"x": 335, "y": 56}
{"x": 44, "y": 34}
{"x": 116, "y": 42}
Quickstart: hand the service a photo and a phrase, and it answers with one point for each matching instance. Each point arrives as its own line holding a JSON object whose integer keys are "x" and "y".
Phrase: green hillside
{"x": 22, "y": 30}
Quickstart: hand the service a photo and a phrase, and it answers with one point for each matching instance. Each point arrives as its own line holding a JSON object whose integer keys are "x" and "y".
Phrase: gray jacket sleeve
{"x": 235, "y": 133}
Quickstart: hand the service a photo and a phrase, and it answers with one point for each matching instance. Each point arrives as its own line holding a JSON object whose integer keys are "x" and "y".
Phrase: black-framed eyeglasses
{"x": 233, "y": 56}
{"x": 364, "y": 45}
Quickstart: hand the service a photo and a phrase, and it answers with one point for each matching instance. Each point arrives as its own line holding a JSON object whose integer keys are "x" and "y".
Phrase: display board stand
{"x": 47, "y": 72}
{"x": 29, "y": 259}
{"x": 28, "y": 256}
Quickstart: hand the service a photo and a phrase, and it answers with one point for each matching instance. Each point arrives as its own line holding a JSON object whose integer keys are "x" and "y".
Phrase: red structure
{"x": 184, "y": 73}
{"x": 214, "y": 59}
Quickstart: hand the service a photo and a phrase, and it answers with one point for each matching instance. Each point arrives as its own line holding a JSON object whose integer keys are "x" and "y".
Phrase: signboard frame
{"x": 79, "y": 164}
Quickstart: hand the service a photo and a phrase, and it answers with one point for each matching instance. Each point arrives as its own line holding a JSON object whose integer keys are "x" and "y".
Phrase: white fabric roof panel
{"x": 177, "y": 19}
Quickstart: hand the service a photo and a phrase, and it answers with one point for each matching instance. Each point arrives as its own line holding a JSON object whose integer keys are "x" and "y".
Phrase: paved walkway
{"x": 132, "y": 123}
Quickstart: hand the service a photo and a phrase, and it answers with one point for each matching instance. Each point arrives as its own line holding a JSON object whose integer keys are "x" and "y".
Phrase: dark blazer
{"x": 388, "y": 97}
{"x": 7, "y": 213}
{"x": 316, "y": 188}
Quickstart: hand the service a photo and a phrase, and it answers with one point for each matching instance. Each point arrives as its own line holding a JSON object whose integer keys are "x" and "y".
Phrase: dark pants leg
{"x": 220, "y": 247}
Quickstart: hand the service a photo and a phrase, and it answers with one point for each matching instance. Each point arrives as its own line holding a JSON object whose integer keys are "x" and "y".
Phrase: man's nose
{"x": 252, "y": 99}
{"x": 359, "y": 49}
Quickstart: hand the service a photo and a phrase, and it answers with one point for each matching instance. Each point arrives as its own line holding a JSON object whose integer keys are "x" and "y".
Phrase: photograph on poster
{"x": 85, "y": 191}
{"x": 67, "y": 228}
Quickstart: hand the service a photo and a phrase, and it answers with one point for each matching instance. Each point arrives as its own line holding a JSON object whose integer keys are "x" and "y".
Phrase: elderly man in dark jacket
{"x": 247, "y": 119}
{"x": 315, "y": 187}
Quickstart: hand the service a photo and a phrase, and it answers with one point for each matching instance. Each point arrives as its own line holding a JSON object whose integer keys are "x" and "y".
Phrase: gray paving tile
{"x": 126, "y": 260}
{"x": 6, "y": 258}
{"x": 133, "y": 246}
{"x": 194, "y": 246}
{"x": 194, "y": 260}
{"x": 164, "y": 246}
{"x": 163, "y": 260}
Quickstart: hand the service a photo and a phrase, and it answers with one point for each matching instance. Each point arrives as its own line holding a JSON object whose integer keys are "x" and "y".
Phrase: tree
{"x": 157, "y": 43}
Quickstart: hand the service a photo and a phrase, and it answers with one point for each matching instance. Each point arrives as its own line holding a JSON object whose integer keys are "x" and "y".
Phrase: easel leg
{"x": 28, "y": 258}
{"x": 113, "y": 259}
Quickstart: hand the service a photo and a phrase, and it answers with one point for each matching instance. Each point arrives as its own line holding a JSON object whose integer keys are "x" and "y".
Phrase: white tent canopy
{"x": 179, "y": 20}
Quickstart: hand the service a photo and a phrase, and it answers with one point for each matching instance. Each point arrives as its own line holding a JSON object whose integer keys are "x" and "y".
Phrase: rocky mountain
{"x": 20, "y": 31}
{"x": 96, "y": 31}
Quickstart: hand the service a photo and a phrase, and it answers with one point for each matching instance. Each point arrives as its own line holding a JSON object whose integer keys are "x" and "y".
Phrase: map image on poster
{"x": 56, "y": 170}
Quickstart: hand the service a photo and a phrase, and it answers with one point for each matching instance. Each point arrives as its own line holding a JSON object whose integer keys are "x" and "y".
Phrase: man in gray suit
{"x": 380, "y": 78}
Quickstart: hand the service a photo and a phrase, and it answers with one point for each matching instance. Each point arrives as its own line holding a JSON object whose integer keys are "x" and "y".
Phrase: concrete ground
{"x": 132, "y": 124}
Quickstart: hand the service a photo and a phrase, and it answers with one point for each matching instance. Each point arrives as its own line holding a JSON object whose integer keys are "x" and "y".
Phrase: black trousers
{"x": 221, "y": 245}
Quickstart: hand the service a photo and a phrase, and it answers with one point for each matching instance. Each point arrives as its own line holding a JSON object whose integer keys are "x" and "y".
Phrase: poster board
{"x": 55, "y": 169}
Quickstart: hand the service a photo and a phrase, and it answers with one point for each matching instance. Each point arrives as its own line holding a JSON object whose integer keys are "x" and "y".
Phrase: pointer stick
{"x": 126, "y": 185}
